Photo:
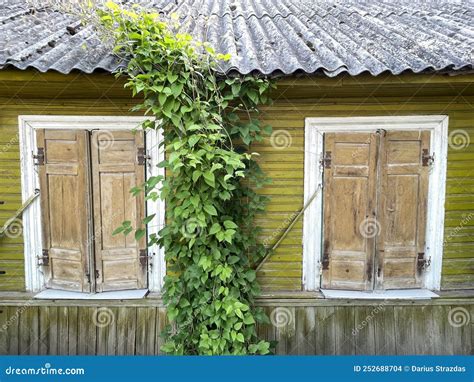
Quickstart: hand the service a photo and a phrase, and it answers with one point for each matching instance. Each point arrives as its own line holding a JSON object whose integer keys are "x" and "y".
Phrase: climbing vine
{"x": 209, "y": 123}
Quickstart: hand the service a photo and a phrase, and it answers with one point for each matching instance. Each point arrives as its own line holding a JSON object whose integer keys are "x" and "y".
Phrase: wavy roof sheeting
{"x": 266, "y": 36}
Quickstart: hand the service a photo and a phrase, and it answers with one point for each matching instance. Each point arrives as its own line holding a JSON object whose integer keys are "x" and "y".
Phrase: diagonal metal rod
{"x": 19, "y": 212}
{"x": 288, "y": 229}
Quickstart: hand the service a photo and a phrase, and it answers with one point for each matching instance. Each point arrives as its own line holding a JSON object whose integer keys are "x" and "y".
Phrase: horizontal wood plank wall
{"x": 375, "y": 329}
{"x": 282, "y": 156}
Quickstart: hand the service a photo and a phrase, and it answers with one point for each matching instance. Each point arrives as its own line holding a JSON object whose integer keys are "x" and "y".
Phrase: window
{"x": 84, "y": 174}
{"x": 380, "y": 214}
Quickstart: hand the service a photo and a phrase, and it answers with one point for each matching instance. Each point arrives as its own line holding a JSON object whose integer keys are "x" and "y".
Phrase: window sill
{"x": 400, "y": 294}
{"x": 53, "y": 294}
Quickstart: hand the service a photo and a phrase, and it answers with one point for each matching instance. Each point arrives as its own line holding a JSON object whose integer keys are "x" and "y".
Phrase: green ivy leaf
{"x": 210, "y": 178}
{"x": 210, "y": 209}
{"x": 214, "y": 229}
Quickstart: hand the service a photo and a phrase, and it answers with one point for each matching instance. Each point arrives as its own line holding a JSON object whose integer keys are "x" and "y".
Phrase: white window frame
{"x": 312, "y": 232}
{"x": 34, "y": 278}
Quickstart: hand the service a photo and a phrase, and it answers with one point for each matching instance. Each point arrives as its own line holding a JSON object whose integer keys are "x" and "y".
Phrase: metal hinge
{"x": 143, "y": 256}
{"x": 422, "y": 263}
{"x": 44, "y": 258}
{"x": 142, "y": 156}
{"x": 39, "y": 157}
{"x": 325, "y": 261}
{"x": 326, "y": 161}
{"x": 426, "y": 158}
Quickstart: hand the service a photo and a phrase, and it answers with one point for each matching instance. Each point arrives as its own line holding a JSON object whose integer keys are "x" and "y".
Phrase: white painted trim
{"x": 34, "y": 278}
{"x": 158, "y": 263}
{"x": 52, "y": 294}
{"x": 400, "y": 294}
{"x": 314, "y": 130}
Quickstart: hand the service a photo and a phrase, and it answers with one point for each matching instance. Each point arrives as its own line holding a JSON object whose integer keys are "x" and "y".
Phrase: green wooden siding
{"x": 23, "y": 93}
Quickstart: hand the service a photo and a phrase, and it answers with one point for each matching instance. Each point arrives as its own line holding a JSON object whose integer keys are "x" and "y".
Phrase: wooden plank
{"x": 404, "y": 333}
{"x": 161, "y": 322}
{"x": 104, "y": 319}
{"x": 306, "y": 330}
{"x": 53, "y": 329}
{"x": 13, "y": 330}
{"x": 462, "y": 333}
{"x": 385, "y": 342}
{"x": 122, "y": 320}
{"x": 325, "y": 337}
{"x": 3, "y": 331}
{"x": 112, "y": 338}
{"x": 86, "y": 344}
{"x": 423, "y": 327}
{"x": 73, "y": 332}
{"x": 364, "y": 330}
{"x": 345, "y": 342}
{"x": 33, "y": 320}
{"x": 44, "y": 330}
{"x": 63, "y": 330}
{"x": 282, "y": 319}
{"x": 145, "y": 332}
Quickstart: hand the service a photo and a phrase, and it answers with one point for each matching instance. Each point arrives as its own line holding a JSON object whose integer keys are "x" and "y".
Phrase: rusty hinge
{"x": 422, "y": 263}
{"x": 39, "y": 157}
{"x": 426, "y": 158}
{"x": 326, "y": 161}
{"x": 142, "y": 157}
{"x": 325, "y": 261}
{"x": 143, "y": 256}
{"x": 369, "y": 271}
{"x": 44, "y": 258}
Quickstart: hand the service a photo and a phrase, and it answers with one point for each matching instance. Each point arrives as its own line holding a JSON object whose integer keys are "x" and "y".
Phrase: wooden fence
{"x": 319, "y": 327}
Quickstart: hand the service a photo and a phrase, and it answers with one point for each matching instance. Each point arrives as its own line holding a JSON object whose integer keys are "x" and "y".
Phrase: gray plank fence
{"x": 338, "y": 328}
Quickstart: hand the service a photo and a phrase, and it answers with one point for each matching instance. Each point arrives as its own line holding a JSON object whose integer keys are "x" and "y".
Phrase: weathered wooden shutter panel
{"x": 65, "y": 207}
{"x": 349, "y": 195}
{"x": 402, "y": 202}
{"x": 115, "y": 170}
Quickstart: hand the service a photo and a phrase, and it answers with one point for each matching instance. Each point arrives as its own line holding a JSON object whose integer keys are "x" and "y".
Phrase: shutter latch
{"x": 426, "y": 158}
{"x": 422, "y": 263}
{"x": 142, "y": 157}
{"x": 44, "y": 258}
{"x": 39, "y": 157}
{"x": 326, "y": 161}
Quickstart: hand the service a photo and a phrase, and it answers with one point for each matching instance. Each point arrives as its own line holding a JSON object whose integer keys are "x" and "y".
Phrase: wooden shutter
{"x": 115, "y": 170}
{"x": 349, "y": 195}
{"x": 65, "y": 207}
{"x": 402, "y": 201}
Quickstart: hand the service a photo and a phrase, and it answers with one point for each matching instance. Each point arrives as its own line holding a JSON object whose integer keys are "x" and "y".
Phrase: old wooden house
{"x": 373, "y": 134}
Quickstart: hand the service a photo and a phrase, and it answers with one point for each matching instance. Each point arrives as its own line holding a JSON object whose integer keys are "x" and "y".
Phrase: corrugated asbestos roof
{"x": 267, "y": 36}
